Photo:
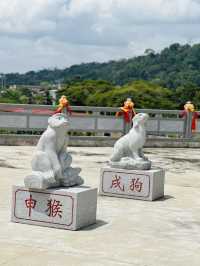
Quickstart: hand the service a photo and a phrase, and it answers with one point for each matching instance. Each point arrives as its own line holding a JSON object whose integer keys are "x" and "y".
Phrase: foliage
{"x": 101, "y": 93}
{"x": 189, "y": 92}
{"x": 79, "y": 93}
{"x": 173, "y": 67}
{"x": 24, "y": 99}
{"x": 155, "y": 80}
{"x": 10, "y": 96}
{"x": 21, "y": 96}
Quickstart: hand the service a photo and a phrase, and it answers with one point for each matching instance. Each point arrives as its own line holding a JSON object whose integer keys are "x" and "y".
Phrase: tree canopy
{"x": 175, "y": 66}
{"x": 101, "y": 93}
{"x": 155, "y": 80}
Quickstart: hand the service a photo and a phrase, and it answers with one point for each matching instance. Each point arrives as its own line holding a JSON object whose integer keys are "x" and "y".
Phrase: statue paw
{"x": 139, "y": 159}
{"x": 71, "y": 172}
{"x": 34, "y": 181}
{"x": 73, "y": 181}
{"x": 39, "y": 180}
{"x": 80, "y": 181}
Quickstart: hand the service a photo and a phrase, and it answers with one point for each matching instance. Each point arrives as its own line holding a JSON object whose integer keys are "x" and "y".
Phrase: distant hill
{"x": 175, "y": 66}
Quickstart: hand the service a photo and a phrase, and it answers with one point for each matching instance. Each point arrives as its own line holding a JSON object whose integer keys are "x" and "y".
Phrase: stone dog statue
{"x": 127, "y": 152}
{"x": 51, "y": 164}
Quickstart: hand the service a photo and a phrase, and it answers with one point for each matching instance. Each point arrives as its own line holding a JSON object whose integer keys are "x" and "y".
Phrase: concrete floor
{"x": 128, "y": 232}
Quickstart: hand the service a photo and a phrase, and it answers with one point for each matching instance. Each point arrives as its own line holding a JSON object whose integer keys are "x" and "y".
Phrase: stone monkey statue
{"x": 51, "y": 164}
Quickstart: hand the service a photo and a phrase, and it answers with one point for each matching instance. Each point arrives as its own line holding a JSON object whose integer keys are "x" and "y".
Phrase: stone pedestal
{"x": 135, "y": 184}
{"x": 66, "y": 208}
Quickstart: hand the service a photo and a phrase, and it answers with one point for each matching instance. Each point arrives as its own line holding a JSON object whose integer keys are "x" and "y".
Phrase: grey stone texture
{"x": 135, "y": 184}
{"x": 51, "y": 163}
{"x": 103, "y": 141}
{"x": 128, "y": 232}
{"x": 65, "y": 208}
{"x": 127, "y": 151}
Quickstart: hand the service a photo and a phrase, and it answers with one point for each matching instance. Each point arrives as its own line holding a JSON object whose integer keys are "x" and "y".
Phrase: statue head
{"x": 58, "y": 120}
{"x": 140, "y": 119}
{"x": 129, "y": 103}
{"x": 189, "y": 106}
{"x": 63, "y": 101}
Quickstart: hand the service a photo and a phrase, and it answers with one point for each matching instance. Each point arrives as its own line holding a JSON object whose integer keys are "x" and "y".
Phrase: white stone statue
{"x": 51, "y": 164}
{"x": 127, "y": 152}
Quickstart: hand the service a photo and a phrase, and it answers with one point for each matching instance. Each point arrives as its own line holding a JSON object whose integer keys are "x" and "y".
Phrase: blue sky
{"x": 36, "y": 34}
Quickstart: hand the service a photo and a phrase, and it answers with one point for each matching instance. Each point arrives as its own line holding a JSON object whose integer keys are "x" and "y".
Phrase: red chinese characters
{"x": 116, "y": 183}
{"x": 136, "y": 185}
{"x": 54, "y": 208}
{"x": 133, "y": 184}
{"x": 30, "y": 204}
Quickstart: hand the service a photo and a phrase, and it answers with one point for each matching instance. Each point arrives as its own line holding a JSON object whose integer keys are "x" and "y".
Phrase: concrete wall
{"x": 20, "y": 140}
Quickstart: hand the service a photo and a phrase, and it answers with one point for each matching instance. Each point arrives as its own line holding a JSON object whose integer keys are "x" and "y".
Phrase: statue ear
{"x": 52, "y": 121}
{"x": 135, "y": 122}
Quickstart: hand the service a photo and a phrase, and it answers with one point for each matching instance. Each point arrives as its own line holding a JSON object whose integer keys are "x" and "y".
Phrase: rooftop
{"x": 128, "y": 232}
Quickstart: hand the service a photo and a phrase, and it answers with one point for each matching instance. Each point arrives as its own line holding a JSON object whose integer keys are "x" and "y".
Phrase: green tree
{"x": 24, "y": 99}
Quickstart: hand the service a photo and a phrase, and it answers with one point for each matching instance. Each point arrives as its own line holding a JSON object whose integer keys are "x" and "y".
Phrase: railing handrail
{"x": 94, "y": 119}
{"x": 89, "y": 108}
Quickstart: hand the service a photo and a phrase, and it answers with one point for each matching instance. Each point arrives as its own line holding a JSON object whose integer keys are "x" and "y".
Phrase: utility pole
{"x": 2, "y": 76}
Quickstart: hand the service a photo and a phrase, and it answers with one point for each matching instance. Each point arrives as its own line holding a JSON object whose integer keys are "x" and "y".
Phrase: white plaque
{"x": 43, "y": 207}
{"x": 137, "y": 184}
{"x": 67, "y": 208}
{"x": 126, "y": 183}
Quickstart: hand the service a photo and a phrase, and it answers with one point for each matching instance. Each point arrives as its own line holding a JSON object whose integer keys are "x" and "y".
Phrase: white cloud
{"x": 63, "y": 32}
{"x": 137, "y": 10}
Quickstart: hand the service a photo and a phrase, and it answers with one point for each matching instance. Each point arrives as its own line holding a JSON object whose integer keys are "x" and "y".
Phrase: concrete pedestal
{"x": 66, "y": 208}
{"x": 135, "y": 184}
